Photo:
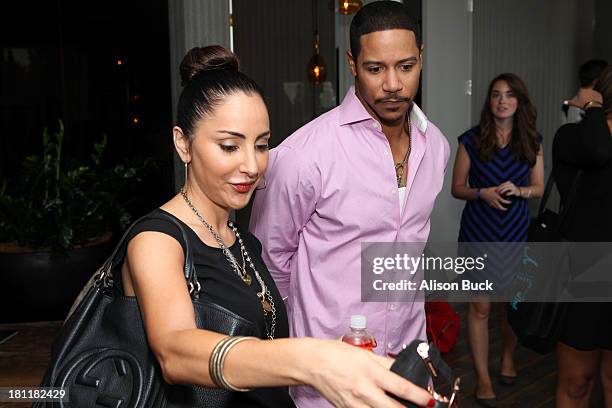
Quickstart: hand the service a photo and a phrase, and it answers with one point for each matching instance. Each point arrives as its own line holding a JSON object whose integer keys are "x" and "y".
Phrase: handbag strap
{"x": 571, "y": 197}
{"x": 105, "y": 275}
{"x": 550, "y": 183}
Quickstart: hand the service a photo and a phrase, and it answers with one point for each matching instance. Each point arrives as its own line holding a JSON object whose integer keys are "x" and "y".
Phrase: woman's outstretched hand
{"x": 348, "y": 376}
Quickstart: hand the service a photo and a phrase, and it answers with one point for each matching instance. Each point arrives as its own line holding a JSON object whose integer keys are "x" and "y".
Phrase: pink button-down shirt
{"x": 329, "y": 187}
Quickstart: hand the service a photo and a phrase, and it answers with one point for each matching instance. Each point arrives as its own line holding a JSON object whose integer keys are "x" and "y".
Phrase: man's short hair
{"x": 381, "y": 16}
{"x": 590, "y": 71}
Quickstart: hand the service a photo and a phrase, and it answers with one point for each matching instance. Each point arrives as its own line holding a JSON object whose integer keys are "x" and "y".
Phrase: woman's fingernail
{"x": 432, "y": 403}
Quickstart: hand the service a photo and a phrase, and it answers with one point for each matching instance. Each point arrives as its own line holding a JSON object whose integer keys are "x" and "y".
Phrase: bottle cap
{"x": 358, "y": 322}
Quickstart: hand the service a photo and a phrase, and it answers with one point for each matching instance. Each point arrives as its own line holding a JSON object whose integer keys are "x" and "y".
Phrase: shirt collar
{"x": 352, "y": 110}
{"x": 418, "y": 118}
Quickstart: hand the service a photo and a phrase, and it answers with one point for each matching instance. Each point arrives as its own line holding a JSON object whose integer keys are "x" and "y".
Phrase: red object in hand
{"x": 443, "y": 325}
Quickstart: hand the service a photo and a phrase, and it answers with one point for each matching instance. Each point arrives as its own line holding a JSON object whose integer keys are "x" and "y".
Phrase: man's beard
{"x": 390, "y": 97}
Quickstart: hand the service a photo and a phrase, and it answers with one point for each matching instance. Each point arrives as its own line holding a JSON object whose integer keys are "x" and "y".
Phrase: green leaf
{"x": 99, "y": 148}
{"x": 59, "y": 135}
{"x": 45, "y": 137}
{"x": 58, "y": 202}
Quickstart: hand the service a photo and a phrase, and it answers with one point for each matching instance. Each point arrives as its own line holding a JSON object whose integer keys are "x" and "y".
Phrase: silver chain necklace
{"x": 265, "y": 297}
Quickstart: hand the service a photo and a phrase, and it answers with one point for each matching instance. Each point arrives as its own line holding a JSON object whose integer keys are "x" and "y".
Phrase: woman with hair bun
{"x": 222, "y": 135}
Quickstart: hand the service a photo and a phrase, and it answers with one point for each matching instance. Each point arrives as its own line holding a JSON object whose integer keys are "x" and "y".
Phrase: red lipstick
{"x": 243, "y": 187}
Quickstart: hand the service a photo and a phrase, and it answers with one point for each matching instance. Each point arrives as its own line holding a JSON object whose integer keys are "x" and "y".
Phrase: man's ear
{"x": 181, "y": 144}
{"x": 352, "y": 63}
{"x": 421, "y": 54}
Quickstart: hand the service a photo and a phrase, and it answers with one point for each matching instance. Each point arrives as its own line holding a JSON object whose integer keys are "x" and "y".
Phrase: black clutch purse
{"x": 421, "y": 364}
{"x": 101, "y": 353}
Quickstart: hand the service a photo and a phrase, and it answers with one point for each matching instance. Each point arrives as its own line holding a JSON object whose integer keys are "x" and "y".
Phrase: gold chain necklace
{"x": 399, "y": 167}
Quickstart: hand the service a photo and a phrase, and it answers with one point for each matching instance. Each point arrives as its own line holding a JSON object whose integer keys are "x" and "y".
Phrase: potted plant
{"x": 56, "y": 226}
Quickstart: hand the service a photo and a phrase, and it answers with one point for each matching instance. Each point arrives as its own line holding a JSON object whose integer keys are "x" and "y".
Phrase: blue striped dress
{"x": 483, "y": 223}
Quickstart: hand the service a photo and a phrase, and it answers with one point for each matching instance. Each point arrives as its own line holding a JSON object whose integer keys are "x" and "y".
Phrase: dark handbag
{"x": 538, "y": 325}
{"x": 410, "y": 365}
{"x": 548, "y": 225}
{"x": 102, "y": 355}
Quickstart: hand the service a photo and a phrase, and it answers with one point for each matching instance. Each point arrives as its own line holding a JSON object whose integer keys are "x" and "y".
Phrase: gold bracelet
{"x": 589, "y": 103}
{"x": 217, "y": 360}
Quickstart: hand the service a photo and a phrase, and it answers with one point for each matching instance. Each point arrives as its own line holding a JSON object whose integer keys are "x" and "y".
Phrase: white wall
{"x": 193, "y": 23}
{"x": 535, "y": 40}
{"x": 447, "y": 66}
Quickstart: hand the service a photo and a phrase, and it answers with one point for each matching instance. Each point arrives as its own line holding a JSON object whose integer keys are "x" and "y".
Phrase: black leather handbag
{"x": 101, "y": 353}
{"x": 538, "y": 325}
{"x": 547, "y": 225}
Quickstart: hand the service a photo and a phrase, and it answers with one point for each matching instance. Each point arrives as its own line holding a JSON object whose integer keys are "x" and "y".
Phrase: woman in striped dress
{"x": 499, "y": 166}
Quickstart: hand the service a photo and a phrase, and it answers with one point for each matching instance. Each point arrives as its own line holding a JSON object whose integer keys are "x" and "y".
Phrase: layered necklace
{"x": 399, "y": 166}
{"x": 264, "y": 296}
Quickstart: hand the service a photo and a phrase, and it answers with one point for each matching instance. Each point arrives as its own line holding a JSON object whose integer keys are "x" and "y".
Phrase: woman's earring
{"x": 186, "y": 174}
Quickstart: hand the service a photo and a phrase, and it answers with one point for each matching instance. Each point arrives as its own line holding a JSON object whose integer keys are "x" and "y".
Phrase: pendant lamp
{"x": 316, "y": 68}
{"x": 349, "y": 6}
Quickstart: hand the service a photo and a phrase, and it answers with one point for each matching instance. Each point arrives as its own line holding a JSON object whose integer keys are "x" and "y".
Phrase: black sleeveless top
{"x": 221, "y": 285}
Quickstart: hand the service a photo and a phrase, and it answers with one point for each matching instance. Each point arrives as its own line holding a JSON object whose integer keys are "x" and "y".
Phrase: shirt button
{"x": 376, "y": 125}
{"x": 393, "y": 192}
{"x": 389, "y": 345}
{"x": 392, "y": 306}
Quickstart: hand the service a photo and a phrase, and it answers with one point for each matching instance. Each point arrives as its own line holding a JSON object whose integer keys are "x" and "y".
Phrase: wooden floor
{"x": 537, "y": 374}
{"x": 24, "y": 356}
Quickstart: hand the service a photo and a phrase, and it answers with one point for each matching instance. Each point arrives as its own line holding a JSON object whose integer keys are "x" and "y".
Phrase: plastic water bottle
{"x": 358, "y": 336}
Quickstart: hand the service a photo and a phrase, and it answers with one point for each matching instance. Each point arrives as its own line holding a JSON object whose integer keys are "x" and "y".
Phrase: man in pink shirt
{"x": 366, "y": 171}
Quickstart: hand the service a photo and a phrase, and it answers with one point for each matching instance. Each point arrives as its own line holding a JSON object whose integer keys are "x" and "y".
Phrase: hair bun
{"x": 202, "y": 59}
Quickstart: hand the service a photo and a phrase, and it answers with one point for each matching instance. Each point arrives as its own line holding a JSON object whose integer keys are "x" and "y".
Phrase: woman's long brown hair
{"x": 523, "y": 140}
